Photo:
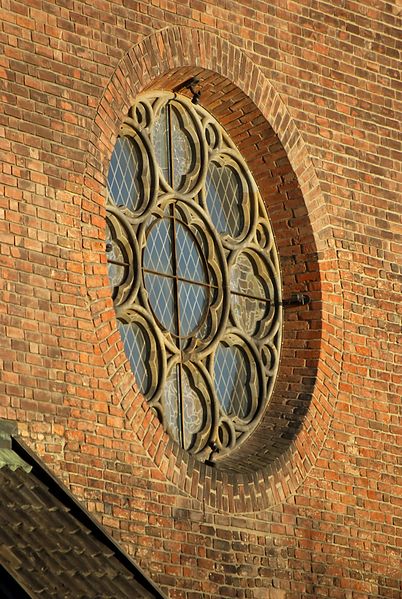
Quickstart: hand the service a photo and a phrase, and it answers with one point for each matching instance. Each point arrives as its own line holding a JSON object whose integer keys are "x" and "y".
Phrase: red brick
{"x": 309, "y": 93}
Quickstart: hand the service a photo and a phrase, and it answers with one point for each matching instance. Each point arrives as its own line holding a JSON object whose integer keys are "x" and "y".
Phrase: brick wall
{"x": 309, "y": 91}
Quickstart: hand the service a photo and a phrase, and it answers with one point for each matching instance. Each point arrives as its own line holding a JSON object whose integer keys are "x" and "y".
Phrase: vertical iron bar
{"x": 175, "y": 277}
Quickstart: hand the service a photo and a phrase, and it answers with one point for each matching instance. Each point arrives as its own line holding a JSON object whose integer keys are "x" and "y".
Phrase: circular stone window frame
{"x": 234, "y": 88}
{"x": 218, "y": 431}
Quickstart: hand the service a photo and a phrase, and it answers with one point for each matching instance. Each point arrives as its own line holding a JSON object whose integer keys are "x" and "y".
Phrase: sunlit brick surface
{"x": 309, "y": 93}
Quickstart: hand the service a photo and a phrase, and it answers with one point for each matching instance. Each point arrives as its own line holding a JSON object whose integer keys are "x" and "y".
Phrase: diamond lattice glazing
{"x": 224, "y": 199}
{"x": 161, "y": 298}
{"x": 158, "y": 251}
{"x": 189, "y": 261}
{"x": 231, "y": 379}
{"x": 179, "y": 296}
{"x": 136, "y": 346}
{"x": 192, "y": 305}
{"x": 124, "y": 176}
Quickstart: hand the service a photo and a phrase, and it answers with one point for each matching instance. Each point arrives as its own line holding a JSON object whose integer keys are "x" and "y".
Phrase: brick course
{"x": 309, "y": 92}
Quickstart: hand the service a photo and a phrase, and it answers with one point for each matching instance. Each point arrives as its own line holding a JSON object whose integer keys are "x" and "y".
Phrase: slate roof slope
{"x": 50, "y": 546}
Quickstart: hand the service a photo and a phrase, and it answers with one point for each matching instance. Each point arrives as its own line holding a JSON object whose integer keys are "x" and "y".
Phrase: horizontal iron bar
{"x": 296, "y": 299}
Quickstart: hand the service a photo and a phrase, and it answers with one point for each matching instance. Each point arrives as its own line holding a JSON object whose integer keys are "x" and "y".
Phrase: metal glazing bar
{"x": 296, "y": 299}
{"x": 252, "y": 297}
{"x": 117, "y": 263}
{"x": 178, "y": 278}
{"x": 174, "y": 267}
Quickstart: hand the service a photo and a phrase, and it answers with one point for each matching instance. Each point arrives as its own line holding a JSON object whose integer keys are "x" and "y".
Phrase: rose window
{"x": 194, "y": 274}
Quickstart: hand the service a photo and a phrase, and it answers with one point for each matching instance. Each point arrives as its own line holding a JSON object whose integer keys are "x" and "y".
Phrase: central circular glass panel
{"x": 175, "y": 277}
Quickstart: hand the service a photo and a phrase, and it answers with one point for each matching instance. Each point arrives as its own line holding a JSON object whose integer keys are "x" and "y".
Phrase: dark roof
{"x": 50, "y": 546}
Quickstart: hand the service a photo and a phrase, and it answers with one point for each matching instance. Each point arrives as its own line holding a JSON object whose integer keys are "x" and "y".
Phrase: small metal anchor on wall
{"x": 296, "y": 299}
{"x": 190, "y": 85}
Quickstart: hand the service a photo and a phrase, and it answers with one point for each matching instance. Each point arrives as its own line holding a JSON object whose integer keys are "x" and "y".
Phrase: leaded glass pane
{"x": 231, "y": 369}
{"x": 170, "y": 402}
{"x": 117, "y": 261}
{"x": 243, "y": 278}
{"x": 248, "y": 312}
{"x": 116, "y": 273}
{"x": 160, "y": 137}
{"x": 158, "y": 251}
{"x": 247, "y": 292}
{"x": 124, "y": 174}
{"x": 181, "y": 148}
{"x": 192, "y": 409}
{"x": 137, "y": 349}
{"x": 189, "y": 261}
{"x": 225, "y": 199}
{"x": 192, "y": 306}
{"x": 162, "y": 300}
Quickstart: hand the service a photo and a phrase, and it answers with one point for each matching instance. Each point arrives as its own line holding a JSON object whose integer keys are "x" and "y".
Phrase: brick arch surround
{"x": 276, "y": 458}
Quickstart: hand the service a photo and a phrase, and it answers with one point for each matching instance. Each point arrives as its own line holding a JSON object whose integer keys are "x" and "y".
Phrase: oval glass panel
{"x": 183, "y": 154}
{"x": 122, "y": 258}
{"x": 192, "y": 409}
{"x": 137, "y": 347}
{"x": 117, "y": 260}
{"x": 224, "y": 194}
{"x": 160, "y": 138}
{"x": 232, "y": 380}
{"x": 186, "y": 405}
{"x": 175, "y": 276}
{"x": 126, "y": 172}
{"x": 178, "y": 146}
{"x": 250, "y": 298}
